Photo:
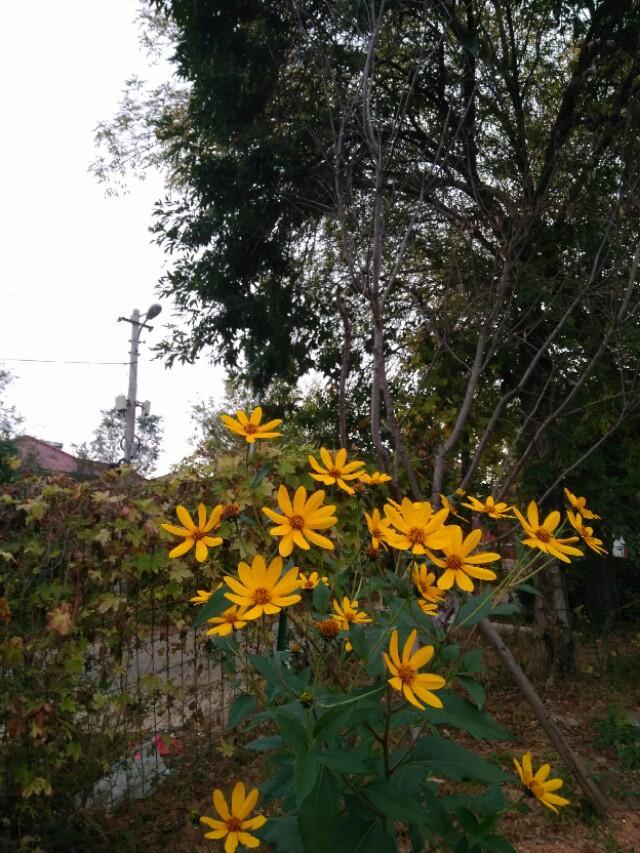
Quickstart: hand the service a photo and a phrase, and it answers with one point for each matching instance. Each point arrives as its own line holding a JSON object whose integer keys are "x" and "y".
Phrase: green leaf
{"x": 488, "y": 804}
{"x": 392, "y": 802}
{"x": 305, "y": 775}
{"x": 472, "y": 662}
{"x": 475, "y": 690}
{"x": 321, "y": 596}
{"x": 474, "y": 610}
{"x": 242, "y": 706}
{"x": 264, "y": 471}
{"x": 355, "y": 835}
{"x": 479, "y": 607}
{"x": 262, "y": 744}
{"x": 438, "y": 818}
{"x": 343, "y": 762}
{"x": 283, "y": 833}
{"x": 317, "y": 814}
{"x": 279, "y": 786}
{"x": 449, "y": 653}
{"x": 527, "y": 587}
{"x": 330, "y": 723}
{"x": 461, "y": 714}
{"x": 214, "y": 607}
{"x": 292, "y": 730}
{"x": 443, "y": 757}
{"x": 277, "y": 677}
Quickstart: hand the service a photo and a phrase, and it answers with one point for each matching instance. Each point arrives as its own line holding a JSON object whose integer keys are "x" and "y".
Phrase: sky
{"x": 73, "y": 260}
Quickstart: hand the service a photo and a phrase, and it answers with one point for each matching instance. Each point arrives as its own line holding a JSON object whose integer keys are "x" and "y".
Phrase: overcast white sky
{"x": 71, "y": 259}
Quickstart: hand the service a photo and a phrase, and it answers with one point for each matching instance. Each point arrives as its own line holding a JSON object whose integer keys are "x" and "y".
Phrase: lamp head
{"x": 153, "y": 311}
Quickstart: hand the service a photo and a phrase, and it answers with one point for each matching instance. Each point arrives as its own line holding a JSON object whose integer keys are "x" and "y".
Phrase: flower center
{"x": 231, "y": 618}
{"x": 329, "y": 628}
{"x": 233, "y": 823}
{"x": 251, "y": 429}
{"x": 543, "y": 535}
{"x": 536, "y": 789}
{"x": 333, "y": 472}
{"x": 197, "y": 534}
{"x": 454, "y": 562}
{"x": 406, "y": 674}
{"x": 297, "y": 522}
{"x": 416, "y": 536}
{"x": 261, "y": 595}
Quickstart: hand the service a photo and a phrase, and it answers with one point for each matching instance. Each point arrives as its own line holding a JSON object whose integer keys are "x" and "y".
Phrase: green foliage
{"x": 107, "y": 444}
{"x": 616, "y": 731}
{"x": 84, "y": 583}
{"x": 352, "y": 763}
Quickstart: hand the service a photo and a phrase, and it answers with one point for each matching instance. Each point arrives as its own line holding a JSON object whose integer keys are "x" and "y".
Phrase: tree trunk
{"x": 552, "y": 624}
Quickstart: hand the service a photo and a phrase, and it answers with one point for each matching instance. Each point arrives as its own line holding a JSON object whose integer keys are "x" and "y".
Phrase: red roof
{"x": 46, "y": 455}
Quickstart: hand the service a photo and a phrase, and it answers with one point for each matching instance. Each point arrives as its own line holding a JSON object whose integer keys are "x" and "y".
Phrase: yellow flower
{"x": 580, "y": 505}
{"x": 446, "y": 504}
{"x": 459, "y": 564}
{"x": 425, "y": 582}
{"x": 541, "y": 535}
{"x": 540, "y": 786}
{"x": 489, "y": 507}
{"x": 406, "y": 679}
{"x": 348, "y": 645}
{"x": 202, "y": 597}
{"x": 329, "y": 628}
{"x": 195, "y": 534}
{"x": 348, "y": 614}
{"x": 418, "y": 527}
{"x": 230, "y": 620}
{"x": 375, "y": 479}
{"x": 312, "y": 581}
{"x": 585, "y": 533}
{"x": 378, "y": 527}
{"x": 300, "y": 520}
{"x": 235, "y": 821}
{"x": 336, "y": 470}
{"x": 250, "y": 427}
{"x": 428, "y": 607}
{"x": 262, "y": 589}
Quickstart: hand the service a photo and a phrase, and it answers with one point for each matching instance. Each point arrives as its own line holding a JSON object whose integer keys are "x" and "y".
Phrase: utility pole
{"x": 137, "y": 325}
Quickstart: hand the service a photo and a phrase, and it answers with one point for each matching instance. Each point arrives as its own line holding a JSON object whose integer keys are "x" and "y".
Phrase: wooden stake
{"x": 589, "y": 787}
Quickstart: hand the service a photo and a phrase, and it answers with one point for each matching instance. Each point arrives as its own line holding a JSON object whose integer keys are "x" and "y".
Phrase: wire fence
{"x": 152, "y": 693}
{"x": 160, "y": 687}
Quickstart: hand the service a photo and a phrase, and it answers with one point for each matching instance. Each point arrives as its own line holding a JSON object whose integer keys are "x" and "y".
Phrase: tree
{"x": 9, "y": 423}
{"x": 108, "y": 440}
{"x": 460, "y": 190}
{"x": 434, "y": 201}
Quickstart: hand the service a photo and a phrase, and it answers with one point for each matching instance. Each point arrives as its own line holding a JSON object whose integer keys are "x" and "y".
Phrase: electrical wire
{"x": 59, "y": 361}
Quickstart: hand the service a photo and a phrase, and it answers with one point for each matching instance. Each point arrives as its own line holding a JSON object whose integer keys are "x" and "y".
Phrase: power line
{"x": 60, "y": 361}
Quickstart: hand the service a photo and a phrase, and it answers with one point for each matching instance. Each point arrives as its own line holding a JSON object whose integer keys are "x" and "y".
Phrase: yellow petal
{"x": 327, "y": 461}
{"x": 182, "y": 548}
{"x": 284, "y": 501}
{"x": 393, "y": 648}
{"x": 185, "y": 519}
{"x": 220, "y": 804}
{"x": 421, "y": 657}
{"x": 409, "y": 643}
{"x": 176, "y": 531}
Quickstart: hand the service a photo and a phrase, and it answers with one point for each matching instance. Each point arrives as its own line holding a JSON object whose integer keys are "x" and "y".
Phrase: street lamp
{"x": 138, "y": 323}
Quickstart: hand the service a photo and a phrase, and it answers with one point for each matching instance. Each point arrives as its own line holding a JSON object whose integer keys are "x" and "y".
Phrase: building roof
{"x": 51, "y": 457}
